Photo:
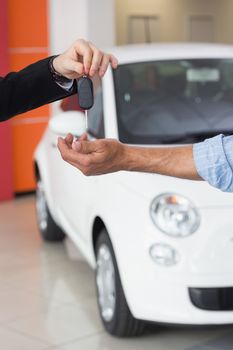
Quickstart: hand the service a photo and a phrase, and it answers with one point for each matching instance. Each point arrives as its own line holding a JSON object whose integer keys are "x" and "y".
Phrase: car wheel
{"x": 49, "y": 230}
{"x": 114, "y": 311}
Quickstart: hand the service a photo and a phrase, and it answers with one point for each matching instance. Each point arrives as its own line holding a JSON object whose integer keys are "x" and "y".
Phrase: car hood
{"x": 152, "y": 185}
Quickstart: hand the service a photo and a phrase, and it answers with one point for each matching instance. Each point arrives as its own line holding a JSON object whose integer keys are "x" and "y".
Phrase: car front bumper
{"x": 162, "y": 294}
{"x": 169, "y": 301}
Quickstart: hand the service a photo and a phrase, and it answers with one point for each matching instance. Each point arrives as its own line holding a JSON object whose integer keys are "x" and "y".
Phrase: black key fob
{"x": 85, "y": 92}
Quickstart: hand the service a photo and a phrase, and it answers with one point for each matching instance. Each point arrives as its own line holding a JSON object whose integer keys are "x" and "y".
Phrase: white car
{"x": 162, "y": 247}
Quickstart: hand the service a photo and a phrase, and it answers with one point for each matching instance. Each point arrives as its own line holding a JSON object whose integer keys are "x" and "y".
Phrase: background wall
{"x": 93, "y": 20}
{"x": 28, "y": 42}
{"x": 174, "y": 16}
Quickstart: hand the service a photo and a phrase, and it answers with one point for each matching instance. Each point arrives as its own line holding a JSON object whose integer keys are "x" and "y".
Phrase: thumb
{"x": 76, "y": 142}
{"x": 75, "y": 68}
{"x": 84, "y": 147}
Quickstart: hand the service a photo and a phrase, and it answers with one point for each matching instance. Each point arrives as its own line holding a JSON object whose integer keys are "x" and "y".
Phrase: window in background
{"x": 143, "y": 29}
{"x": 201, "y": 28}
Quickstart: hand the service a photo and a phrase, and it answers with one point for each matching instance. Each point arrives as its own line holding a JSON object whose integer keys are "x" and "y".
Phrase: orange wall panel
{"x": 25, "y": 140}
{"x": 20, "y": 60}
{"x": 6, "y": 185}
{"x": 28, "y": 42}
{"x": 26, "y": 132}
{"x": 27, "y": 23}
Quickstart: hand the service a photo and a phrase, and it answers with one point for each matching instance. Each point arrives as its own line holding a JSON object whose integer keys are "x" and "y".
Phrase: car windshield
{"x": 171, "y": 102}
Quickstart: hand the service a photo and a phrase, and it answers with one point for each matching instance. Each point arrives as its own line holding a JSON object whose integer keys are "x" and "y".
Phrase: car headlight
{"x": 174, "y": 215}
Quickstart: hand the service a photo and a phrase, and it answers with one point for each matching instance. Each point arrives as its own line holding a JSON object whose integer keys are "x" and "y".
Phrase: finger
{"x": 96, "y": 60}
{"x": 83, "y": 137}
{"x": 83, "y": 162}
{"x": 104, "y": 65}
{"x": 85, "y": 147}
{"x": 87, "y": 57}
{"x": 62, "y": 144}
{"x": 76, "y": 146}
{"x": 67, "y": 153}
{"x": 114, "y": 61}
{"x": 105, "y": 62}
{"x": 83, "y": 49}
{"x": 69, "y": 139}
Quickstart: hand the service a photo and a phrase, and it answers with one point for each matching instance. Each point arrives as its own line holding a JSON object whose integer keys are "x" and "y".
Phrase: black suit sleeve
{"x": 29, "y": 88}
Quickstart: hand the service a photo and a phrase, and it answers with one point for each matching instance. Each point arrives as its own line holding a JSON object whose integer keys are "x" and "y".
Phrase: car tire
{"x": 113, "y": 307}
{"x": 49, "y": 230}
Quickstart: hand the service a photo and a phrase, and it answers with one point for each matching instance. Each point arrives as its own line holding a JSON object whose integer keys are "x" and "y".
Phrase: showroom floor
{"x": 47, "y": 297}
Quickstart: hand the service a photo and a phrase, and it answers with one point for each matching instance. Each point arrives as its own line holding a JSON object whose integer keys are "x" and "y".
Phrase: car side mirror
{"x": 68, "y": 122}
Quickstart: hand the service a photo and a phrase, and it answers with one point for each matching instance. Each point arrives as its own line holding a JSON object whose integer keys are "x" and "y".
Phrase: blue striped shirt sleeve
{"x": 214, "y": 161}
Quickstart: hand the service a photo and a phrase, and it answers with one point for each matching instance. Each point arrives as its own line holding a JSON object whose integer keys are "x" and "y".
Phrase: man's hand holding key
{"x": 83, "y": 58}
{"x": 82, "y": 61}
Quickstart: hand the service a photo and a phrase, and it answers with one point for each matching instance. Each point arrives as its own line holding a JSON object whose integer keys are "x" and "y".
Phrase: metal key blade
{"x": 86, "y": 120}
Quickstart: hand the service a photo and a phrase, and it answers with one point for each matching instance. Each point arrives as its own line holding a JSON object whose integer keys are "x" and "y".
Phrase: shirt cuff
{"x": 210, "y": 157}
{"x": 66, "y": 85}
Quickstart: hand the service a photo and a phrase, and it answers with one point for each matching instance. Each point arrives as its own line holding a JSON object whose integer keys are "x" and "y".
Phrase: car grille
{"x": 216, "y": 299}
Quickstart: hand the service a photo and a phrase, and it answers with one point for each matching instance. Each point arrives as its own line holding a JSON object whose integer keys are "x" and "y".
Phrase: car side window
{"x": 96, "y": 113}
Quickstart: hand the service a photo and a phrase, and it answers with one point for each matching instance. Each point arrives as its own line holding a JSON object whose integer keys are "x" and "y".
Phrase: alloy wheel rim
{"x": 41, "y": 206}
{"x": 105, "y": 280}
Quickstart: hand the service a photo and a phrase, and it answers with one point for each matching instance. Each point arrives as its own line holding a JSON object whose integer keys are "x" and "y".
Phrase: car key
{"x": 85, "y": 95}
